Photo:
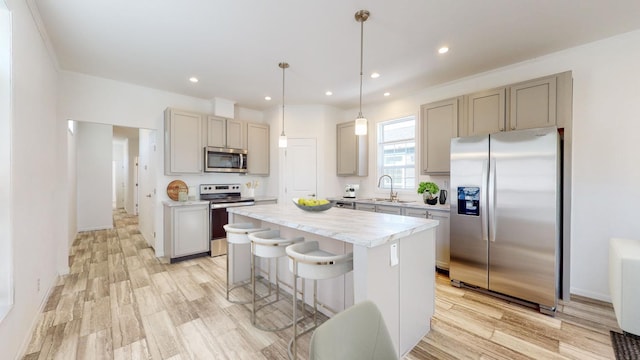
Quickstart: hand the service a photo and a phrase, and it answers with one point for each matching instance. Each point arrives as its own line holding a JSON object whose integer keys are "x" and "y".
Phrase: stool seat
{"x": 315, "y": 264}
{"x": 268, "y": 245}
{"x": 238, "y": 234}
{"x": 308, "y": 261}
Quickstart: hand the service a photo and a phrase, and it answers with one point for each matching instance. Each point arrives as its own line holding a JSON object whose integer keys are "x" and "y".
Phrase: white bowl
{"x": 313, "y": 208}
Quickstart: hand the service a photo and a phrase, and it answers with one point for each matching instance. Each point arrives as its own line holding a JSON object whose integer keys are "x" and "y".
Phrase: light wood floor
{"x": 120, "y": 302}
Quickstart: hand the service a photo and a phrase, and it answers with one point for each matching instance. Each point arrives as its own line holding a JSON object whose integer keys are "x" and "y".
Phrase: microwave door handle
{"x": 242, "y": 161}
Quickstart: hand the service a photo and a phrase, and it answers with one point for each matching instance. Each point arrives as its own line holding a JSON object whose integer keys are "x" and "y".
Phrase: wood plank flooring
{"x": 120, "y": 302}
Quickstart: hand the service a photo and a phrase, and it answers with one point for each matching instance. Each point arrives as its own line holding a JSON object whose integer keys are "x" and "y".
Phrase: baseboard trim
{"x": 36, "y": 318}
{"x": 591, "y": 294}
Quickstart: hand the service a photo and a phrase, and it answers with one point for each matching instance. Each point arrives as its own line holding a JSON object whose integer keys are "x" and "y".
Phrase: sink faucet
{"x": 392, "y": 196}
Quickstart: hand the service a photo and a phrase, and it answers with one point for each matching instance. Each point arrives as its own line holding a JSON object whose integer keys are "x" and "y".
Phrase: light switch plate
{"x": 393, "y": 254}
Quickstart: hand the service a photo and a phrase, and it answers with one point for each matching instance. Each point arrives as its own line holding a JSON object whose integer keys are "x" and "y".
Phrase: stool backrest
{"x": 358, "y": 332}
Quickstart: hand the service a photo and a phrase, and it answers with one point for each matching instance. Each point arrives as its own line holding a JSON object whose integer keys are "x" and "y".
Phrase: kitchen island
{"x": 393, "y": 261}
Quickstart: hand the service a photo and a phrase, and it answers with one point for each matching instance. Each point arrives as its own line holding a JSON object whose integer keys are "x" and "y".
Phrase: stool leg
{"x": 315, "y": 303}
{"x": 269, "y": 275}
{"x": 277, "y": 282}
{"x": 253, "y": 285}
{"x": 295, "y": 310}
{"x": 228, "y": 246}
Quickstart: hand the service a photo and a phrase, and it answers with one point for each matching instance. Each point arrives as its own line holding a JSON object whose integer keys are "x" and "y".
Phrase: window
{"x": 6, "y": 258}
{"x": 397, "y": 152}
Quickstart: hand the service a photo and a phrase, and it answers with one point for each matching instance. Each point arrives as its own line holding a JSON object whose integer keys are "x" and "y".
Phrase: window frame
{"x": 379, "y": 152}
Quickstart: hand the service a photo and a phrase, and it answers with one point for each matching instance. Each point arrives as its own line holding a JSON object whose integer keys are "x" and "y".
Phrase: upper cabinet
{"x": 530, "y": 104}
{"x": 533, "y": 104}
{"x": 226, "y": 133}
{"x": 183, "y": 148}
{"x": 439, "y": 124}
{"x": 258, "y": 149}
{"x": 486, "y": 112}
{"x": 351, "y": 151}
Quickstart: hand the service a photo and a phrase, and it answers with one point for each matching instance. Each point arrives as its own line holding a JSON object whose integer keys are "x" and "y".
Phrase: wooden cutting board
{"x": 175, "y": 187}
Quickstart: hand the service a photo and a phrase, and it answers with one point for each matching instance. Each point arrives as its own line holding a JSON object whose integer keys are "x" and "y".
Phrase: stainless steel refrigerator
{"x": 506, "y": 222}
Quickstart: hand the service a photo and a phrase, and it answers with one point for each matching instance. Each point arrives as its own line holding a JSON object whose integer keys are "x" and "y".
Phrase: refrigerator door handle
{"x": 492, "y": 200}
{"x": 483, "y": 199}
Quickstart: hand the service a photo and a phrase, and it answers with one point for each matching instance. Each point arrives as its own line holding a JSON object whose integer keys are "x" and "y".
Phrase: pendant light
{"x": 361, "y": 122}
{"x": 282, "y": 141}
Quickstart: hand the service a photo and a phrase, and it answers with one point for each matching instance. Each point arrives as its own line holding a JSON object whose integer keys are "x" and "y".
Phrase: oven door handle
{"x": 228, "y": 205}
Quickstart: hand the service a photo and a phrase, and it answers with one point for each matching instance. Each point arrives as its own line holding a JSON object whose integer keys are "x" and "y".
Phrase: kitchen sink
{"x": 389, "y": 201}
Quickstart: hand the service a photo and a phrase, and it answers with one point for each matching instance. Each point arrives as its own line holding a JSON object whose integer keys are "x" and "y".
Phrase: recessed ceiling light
{"x": 443, "y": 50}
{"x": 328, "y": 93}
{"x": 268, "y": 98}
{"x": 193, "y": 79}
{"x": 375, "y": 75}
{"x": 387, "y": 94}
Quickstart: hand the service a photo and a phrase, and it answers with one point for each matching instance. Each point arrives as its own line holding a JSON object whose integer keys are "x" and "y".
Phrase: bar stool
{"x": 307, "y": 261}
{"x": 268, "y": 245}
{"x": 237, "y": 234}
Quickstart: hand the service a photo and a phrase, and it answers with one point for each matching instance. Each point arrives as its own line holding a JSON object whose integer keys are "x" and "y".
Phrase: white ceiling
{"x": 234, "y": 46}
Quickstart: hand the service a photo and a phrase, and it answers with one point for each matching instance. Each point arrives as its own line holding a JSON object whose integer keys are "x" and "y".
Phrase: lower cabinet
{"x": 442, "y": 232}
{"x": 186, "y": 231}
{"x": 385, "y": 209}
{"x": 442, "y": 238}
{"x": 366, "y": 207}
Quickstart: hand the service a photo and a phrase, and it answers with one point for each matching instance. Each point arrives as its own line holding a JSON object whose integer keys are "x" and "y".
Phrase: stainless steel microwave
{"x": 225, "y": 160}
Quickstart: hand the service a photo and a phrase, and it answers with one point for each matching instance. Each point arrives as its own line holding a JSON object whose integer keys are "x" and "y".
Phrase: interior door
{"x": 119, "y": 183}
{"x": 301, "y": 169}
{"x": 136, "y": 186}
{"x": 146, "y": 175}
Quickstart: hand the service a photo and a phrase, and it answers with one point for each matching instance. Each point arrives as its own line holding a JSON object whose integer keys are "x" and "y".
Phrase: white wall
{"x": 6, "y": 250}
{"x": 72, "y": 186}
{"x": 94, "y": 165}
{"x": 37, "y": 179}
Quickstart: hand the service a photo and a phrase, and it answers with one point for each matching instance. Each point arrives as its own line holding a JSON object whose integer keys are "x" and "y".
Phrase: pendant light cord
{"x": 283, "y": 65}
{"x": 361, "y": 61}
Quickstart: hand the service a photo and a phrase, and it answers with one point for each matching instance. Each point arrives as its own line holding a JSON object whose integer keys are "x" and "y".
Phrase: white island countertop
{"x": 361, "y": 228}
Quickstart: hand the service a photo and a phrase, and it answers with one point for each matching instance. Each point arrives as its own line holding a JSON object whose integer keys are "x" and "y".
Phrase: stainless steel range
{"x": 221, "y": 197}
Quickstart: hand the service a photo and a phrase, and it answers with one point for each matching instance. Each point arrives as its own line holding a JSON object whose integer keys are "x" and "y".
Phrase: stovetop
{"x": 222, "y": 193}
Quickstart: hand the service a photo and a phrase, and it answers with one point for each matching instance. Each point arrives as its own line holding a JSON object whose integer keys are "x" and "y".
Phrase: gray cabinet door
{"x": 235, "y": 133}
{"x": 439, "y": 123}
{"x": 183, "y": 146}
{"x": 216, "y": 131}
{"x": 351, "y": 151}
{"x": 442, "y": 238}
{"x": 257, "y": 149}
{"x": 533, "y": 104}
{"x": 486, "y": 112}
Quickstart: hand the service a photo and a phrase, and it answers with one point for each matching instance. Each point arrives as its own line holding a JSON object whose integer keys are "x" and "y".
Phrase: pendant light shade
{"x": 361, "y": 122}
{"x": 282, "y": 140}
{"x": 361, "y": 125}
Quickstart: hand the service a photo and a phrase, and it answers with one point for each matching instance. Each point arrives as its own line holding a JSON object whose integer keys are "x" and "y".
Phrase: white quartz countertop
{"x": 172, "y": 203}
{"x": 412, "y": 204}
{"x": 362, "y": 228}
